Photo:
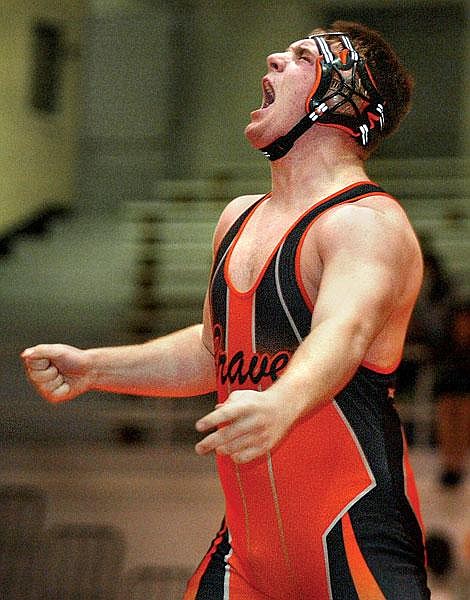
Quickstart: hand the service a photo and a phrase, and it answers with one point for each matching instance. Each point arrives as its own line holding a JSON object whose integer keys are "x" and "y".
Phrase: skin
{"x": 361, "y": 267}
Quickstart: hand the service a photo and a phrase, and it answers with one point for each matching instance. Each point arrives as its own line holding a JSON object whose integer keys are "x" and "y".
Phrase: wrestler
{"x": 310, "y": 295}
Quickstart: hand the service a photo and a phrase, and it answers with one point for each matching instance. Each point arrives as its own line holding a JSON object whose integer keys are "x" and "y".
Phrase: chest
{"x": 260, "y": 242}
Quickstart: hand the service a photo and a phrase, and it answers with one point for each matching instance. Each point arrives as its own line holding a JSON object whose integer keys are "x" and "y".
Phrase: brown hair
{"x": 393, "y": 81}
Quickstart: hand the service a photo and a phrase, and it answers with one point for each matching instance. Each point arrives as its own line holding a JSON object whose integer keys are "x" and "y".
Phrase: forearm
{"x": 173, "y": 365}
{"x": 322, "y": 365}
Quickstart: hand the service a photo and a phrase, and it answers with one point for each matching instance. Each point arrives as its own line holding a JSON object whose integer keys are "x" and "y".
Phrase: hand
{"x": 57, "y": 371}
{"x": 250, "y": 424}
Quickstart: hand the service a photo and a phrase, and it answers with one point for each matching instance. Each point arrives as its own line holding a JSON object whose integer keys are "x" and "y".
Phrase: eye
{"x": 305, "y": 57}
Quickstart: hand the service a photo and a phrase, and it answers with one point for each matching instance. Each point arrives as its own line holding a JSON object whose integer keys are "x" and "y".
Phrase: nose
{"x": 276, "y": 61}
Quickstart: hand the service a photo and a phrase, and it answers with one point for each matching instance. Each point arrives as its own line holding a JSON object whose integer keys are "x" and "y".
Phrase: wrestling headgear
{"x": 343, "y": 96}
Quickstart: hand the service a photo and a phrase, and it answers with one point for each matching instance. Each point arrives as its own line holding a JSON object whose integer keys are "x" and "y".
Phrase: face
{"x": 290, "y": 78}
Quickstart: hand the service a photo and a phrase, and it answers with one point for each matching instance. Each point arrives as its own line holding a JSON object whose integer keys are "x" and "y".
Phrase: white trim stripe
{"x": 347, "y": 44}
{"x": 348, "y": 506}
{"x": 281, "y": 297}
{"x": 227, "y": 568}
{"x": 221, "y": 261}
{"x": 277, "y": 508}
{"x": 365, "y": 134}
{"x": 324, "y": 49}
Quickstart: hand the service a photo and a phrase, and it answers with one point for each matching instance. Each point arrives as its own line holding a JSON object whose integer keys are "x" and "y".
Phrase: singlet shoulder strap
{"x": 351, "y": 194}
{"x": 286, "y": 267}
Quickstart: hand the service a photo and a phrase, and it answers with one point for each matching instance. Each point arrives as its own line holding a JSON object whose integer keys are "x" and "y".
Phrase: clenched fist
{"x": 57, "y": 371}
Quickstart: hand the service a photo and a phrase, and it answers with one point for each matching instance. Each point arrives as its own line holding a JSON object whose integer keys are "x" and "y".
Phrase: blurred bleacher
{"x": 71, "y": 561}
{"x": 171, "y": 234}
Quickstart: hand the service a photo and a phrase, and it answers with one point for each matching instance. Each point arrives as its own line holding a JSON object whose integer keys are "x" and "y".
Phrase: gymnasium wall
{"x": 153, "y": 90}
{"x": 38, "y": 148}
{"x": 197, "y": 66}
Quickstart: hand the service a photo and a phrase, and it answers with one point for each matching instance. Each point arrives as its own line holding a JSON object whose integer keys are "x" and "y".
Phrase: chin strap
{"x": 282, "y": 145}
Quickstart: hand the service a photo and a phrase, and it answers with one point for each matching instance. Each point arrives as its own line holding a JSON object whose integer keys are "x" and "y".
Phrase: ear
{"x": 321, "y": 84}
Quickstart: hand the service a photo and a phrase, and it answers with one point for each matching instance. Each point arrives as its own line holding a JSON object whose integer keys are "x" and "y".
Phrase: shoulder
{"x": 376, "y": 225}
{"x": 371, "y": 236}
{"x": 230, "y": 214}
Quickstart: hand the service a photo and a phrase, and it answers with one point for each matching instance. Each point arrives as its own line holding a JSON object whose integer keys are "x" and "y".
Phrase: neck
{"x": 321, "y": 162}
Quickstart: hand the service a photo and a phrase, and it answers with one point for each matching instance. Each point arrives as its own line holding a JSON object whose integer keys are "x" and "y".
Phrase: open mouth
{"x": 268, "y": 94}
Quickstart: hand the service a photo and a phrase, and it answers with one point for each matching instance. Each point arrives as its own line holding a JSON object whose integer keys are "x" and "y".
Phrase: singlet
{"x": 332, "y": 511}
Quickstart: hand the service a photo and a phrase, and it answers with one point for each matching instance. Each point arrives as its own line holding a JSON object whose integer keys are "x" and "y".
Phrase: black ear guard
{"x": 347, "y": 89}
{"x": 343, "y": 96}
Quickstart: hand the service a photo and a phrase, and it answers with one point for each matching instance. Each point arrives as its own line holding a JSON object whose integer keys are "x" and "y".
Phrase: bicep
{"x": 364, "y": 270}
{"x": 353, "y": 289}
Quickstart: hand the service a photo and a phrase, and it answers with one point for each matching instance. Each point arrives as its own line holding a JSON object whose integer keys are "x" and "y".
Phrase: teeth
{"x": 268, "y": 94}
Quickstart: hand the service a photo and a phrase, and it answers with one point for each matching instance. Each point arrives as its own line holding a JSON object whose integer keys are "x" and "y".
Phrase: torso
{"x": 265, "y": 228}
{"x": 339, "y": 468}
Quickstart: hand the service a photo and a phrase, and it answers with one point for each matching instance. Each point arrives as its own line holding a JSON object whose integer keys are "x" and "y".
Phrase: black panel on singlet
{"x": 383, "y": 518}
{"x": 211, "y": 586}
{"x": 341, "y": 582}
{"x": 218, "y": 289}
{"x": 273, "y": 331}
{"x": 282, "y": 317}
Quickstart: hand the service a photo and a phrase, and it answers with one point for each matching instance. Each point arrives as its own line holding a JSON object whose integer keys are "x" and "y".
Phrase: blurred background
{"x": 121, "y": 133}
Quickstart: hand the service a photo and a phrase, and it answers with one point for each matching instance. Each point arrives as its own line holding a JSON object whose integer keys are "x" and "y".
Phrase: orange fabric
{"x": 366, "y": 586}
{"x": 281, "y": 507}
{"x": 316, "y": 84}
{"x": 272, "y": 496}
{"x": 193, "y": 583}
{"x": 344, "y": 56}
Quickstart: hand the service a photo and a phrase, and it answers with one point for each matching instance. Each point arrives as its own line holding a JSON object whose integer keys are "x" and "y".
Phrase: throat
{"x": 297, "y": 180}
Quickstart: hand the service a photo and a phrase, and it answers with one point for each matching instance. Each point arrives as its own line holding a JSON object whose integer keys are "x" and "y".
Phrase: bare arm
{"x": 179, "y": 364}
{"x": 367, "y": 274}
{"x": 174, "y": 365}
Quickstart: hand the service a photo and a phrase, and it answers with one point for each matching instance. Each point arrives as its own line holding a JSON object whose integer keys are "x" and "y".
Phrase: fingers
{"x": 247, "y": 425}
{"x": 225, "y": 439}
{"x": 50, "y": 384}
{"x": 220, "y": 416}
{"x": 209, "y": 421}
{"x": 37, "y": 364}
{"x": 241, "y": 430}
{"x": 241, "y": 449}
{"x": 39, "y": 352}
{"x": 44, "y": 375}
{"x": 60, "y": 393}
{"x": 248, "y": 454}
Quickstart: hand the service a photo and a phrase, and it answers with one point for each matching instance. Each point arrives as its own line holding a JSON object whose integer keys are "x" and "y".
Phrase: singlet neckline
{"x": 252, "y": 289}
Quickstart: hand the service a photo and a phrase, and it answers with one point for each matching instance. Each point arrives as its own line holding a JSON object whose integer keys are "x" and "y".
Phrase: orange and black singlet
{"x": 332, "y": 511}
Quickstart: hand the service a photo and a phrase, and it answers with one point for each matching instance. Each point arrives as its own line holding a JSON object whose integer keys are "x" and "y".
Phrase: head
{"x": 353, "y": 82}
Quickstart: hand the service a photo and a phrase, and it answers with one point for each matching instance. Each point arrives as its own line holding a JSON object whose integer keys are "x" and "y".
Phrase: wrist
{"x": 94, "y": 368}
{"x": 287, "y": 404}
